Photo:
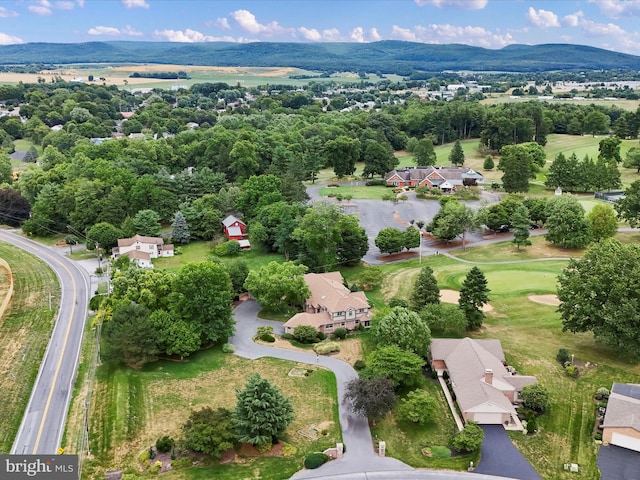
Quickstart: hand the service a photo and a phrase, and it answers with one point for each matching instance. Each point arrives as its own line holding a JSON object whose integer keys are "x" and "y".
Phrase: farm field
{"x": 497, "y": 98}
{"x": 24, "y": 333}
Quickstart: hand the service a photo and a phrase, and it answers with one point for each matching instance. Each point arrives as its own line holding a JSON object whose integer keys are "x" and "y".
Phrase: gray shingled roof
{"x": 623, "y": 409}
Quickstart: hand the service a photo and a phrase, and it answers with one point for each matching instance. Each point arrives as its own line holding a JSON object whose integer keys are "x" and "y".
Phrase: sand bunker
{"x": 452, "y": 296}
{"x": 548, "y": 299}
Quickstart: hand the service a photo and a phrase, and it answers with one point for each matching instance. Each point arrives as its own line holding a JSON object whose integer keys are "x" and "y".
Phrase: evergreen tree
{"x": 180, "y": 233}
{"x": 31, "y": 156}
{"x": 488, "y": 163}
{"x": 456, "y": 157}
{"x": 262, "y": 412}
{"x": 473, "y": 295}
{"x": 425, "y": 290}
{"x": 520, "y": 224}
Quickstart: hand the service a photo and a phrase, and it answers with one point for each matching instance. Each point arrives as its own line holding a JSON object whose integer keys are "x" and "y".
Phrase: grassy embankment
{"x": 24, "y": 333}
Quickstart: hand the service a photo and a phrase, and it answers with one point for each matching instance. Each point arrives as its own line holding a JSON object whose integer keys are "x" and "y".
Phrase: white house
{"x": 152, "y": 246}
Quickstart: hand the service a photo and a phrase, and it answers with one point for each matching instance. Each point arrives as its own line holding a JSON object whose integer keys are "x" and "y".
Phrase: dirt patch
{"x": 248, "y": 450}
{"x": 452, "y": 296}
{"x": 394, "y": 257}
{"x": 350, "y": 349}
{"x": 548, "y": 299}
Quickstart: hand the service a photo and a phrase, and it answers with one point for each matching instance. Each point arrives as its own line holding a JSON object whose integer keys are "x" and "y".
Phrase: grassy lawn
{"x": 24, "y": 333}
{"x": 131, "y": 409}
{"x": 357, "y": 191}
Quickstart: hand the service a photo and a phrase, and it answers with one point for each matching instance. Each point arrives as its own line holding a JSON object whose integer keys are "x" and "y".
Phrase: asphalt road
{"x": 44, "y": 419}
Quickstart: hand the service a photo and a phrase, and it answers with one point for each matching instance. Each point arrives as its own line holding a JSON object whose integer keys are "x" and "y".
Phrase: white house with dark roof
{"x": 154, "y": 247}
{"x": 485, "y": 390}
{"x": 331, "y": 305}
{"x": 621, "y": 424}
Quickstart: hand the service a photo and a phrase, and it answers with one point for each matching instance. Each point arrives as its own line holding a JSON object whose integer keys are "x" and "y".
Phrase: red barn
{"x": 235, "y": 229}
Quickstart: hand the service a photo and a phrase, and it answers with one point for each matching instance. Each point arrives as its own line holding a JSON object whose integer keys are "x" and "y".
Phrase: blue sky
{"x": 610, "y": 24}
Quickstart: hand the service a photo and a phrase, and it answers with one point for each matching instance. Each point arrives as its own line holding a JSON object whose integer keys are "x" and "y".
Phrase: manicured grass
{"x": 131, "y": 409}
{"x": 25, "y": 330}
{"x": 507, "y": 251}
{"x": 263, "y": 467}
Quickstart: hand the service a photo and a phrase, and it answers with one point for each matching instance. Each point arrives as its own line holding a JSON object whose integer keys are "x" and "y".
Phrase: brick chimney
{"x": 488, "y": 376}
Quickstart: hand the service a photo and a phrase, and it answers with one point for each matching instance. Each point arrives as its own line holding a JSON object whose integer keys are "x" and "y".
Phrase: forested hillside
{"x": 381, "y": 57}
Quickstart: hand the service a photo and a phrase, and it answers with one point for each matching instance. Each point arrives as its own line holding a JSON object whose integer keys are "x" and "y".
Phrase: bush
{"x": 267, "y": 338}
{"x": 326, "y": 347}
{"x": 227, "y": 249}
{"x": 287, "y": 336}
{"x": 314, "y": 460}
{"x": 165, "y": 444}
{"x": 597, "y": 436}
{"x": 340, "y": 333}
{"x": 563, "y": 356}
{"x": 535, "y": 397}
{"x": 359, "y": 365}
{"x": 440, "y": 451}
{"x": 376, "y": 182}
{"x": 603, "y": 392}
{"x": 288, "y": 450}
{"x": 398, "y": 302}
{"x": 96, "y": 300}
{"x": 321, "y": 336}
{"x": 181, "y": 463}
{"x": 305, "y": 334}
{"x": 571, "y": 370}
{"x": 488, "y": 163}
{"x": 469, "y": 439}
{"x": 228, "y": 348}
{"x": 532, "y": 422}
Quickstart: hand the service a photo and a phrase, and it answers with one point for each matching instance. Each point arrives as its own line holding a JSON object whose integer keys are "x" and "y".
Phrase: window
{"x": 367, "y": 323}
{"x": 329, "y": 325}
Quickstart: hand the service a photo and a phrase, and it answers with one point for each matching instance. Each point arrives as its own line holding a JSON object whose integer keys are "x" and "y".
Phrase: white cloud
{"x": 247, "y": 21}
{"x": 542, "y": 18}
{"x": 65, "y": 5}
{"x": 618, "y": 8}
{"x": 222, "y": 23}
{"x": 374, "y": 35}
{"x": 135, "y": 4}
{"x": 357, "y": 35}
{"x": 8, "y": 39}
{"x": 464, "y": 4}
{"x": 41, "y": 7}
{"x": 6, "y": 13}
{"x": 310, "y": 34}
{"x": 602, "y": 29}
{"x": 113, "y": 31}
{"x": 193, "y": 36}
{"x": 573, "y": 19}
{"x": 331, "y": 35}
{"x": 446, "y": 33}
{"x": 130, "y": 31}
{"x": 80, "y": 3}
{"x": 403, "y": 34}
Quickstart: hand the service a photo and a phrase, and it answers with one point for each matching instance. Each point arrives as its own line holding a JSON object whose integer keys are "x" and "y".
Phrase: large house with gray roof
{"x": 331, "y": 305}
{"x": 447, "y": 179}
{"x": 621, "y": 424}
{"x": 486, "y": 391}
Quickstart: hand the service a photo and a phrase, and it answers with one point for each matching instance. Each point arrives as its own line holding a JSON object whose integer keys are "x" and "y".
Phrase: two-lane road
{"x": 44, "y": 419}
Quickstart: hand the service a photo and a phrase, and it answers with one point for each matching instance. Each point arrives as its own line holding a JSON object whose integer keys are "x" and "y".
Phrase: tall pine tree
{"x": 262, "y": 412}
{"x": 425, "y": 290}
{"x": 456, "y": 157}
{"x": 473, "y": 296}
{"x": 520, "y": 224}
{"x": 180, "y": 233}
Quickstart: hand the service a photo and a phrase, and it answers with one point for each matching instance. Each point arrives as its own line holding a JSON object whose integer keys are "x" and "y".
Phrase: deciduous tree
{"x": 566, "y": 223}
{"x": 602, "y": 222}
{"x": 444, "y": 318}
{"x": 403, "y": 367}
{"x": 129, "y": 337}
{"x": 372, "y": 397}
{"x": 404, "y": 328}
{"x": 278, "y": 286}
{"x": 535, "y": 397}
{"x": 628, "y": 208}
{"x": 468, "y": 439}
{"x": 418, "y": 407}
{"x": 209, "y": 431}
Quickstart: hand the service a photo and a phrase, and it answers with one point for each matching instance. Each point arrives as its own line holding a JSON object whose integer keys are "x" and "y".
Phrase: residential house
{"x": 140, "y": 258}
{"x": 154, "y": 247}
{"x": 236, "y": 229}
{"x": 621, "y": 424}
{"x": 485, "y": 389}
{"x": 447, "y": 179}
{"x": 331, "y": 305}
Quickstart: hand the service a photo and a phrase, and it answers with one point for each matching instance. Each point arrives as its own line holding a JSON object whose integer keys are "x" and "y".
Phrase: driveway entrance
{"x": 500, "y": 457}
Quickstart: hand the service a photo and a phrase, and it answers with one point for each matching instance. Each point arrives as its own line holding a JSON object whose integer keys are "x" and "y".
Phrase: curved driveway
{"x": 44, "y": 419}
{"x": 360, "y": 461}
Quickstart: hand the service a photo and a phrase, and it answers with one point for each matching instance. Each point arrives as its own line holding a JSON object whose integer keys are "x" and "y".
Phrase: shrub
{"x": 96, "y": 300}
{"x": 340, "y": 333}
{"x": 181, "y": 463}
{"x": 398, "y": 302}
{"x": 314, "y": 460}
{"x": 264, "y": 447}
{"x": 571, "y": 370}
{"x": 563, "y": 356}
{"x": 267, "y": 338}
{"x": 488, "y": 163}
{"x": 144, "y": 456}
{"x": 532, "y": 422}
{"x": 228, "y": 348}
{"x": 469, "y": 439}
{"x": 440, "y": 451}
{"x": 535, "y": 397}
{"x": 305, "y": 334}
{"x": 597, "y": 436}
{"x": 359, "y": 365}
{"x": 227, "y": 249}
{"x": 376, "y": 182}
{"x": 326, "y": 347}
{"x": 287, "y": 336}
{"x": 603, "y": 392}
{"x": 288, "y": 450}
{"x": 321, "y": 336}
{"x": 165, "y": 444}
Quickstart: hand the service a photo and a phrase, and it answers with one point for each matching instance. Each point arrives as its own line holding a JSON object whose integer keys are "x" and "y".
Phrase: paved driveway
{"x": 501, "y": 457}
{"x": 617, "y": 463}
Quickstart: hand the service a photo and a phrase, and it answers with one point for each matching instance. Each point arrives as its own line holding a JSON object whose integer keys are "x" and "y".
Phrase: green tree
{"x": 402, "y": 367}
{"x": 370, "y": 278}
{"x": 595, "y": 123}
{"x": 31, "y": 156}
{"x": 238, "y": 272}
{"x": 444, "y": 318}
{"x": 418, "y": 407}
{"x": 602, "y": 222}
{"x": 209, "y": 431}
{"x": 425, "y": 289}
{"x": 278, "y": 286}
{"x": 423, "y": 153}
{"x": 378, "y": 158}
{"x": 535, "y": 397}
{"x": 305, "y": 334}
{"x": 516, "y": 164}
{"x": 6, "y": 170}
{"x": 14, "y": 208}
{"x": 454, "y": 219}
{"x": 262, "y": 412}
{"x": 609, "y": 149}
{"x": 343, "y": 152}
{"x": 129, "y": 337}
{"x": 390, "y": 240}
{"x": 404, "y": 328}
{"x": 598, "y": 293}
{"x": 103, "y": 234}
{"x": 488, "y": 163}
{"x": 520, "y": 223}
{"x": 566, "y": 223}
{"x": 628, "y": 208}
{"x": 565, "y": 173}
{"x": 180, "y": 230}
{"x": 474, "y": 294}
{"x": 257, "y": 192}
{"x": 456, "y": 157}
{"x": 244, "y": 160}
{"x": 147, "y": 223}
{"x": 175, "y": 336}
{"x": 354, "y": 242}
{"x": 469, "y": 439}
{"x": 202, "y": 295}
{"x": 372, "y": 397}
{"x": 632, "y": 159}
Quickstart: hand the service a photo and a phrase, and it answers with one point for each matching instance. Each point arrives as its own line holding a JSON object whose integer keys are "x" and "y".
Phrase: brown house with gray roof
{"x": 447, "y": 179}
{"x": 621, "y": 424}
{"x": 486, "y": 391}
{"x": 331, "y": 305}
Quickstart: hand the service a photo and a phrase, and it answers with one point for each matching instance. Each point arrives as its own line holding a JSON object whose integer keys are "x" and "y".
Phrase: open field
{"x": 131, "y": 409}
{"x": 24, "y": 333}
{"x": 497, "y": 98}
